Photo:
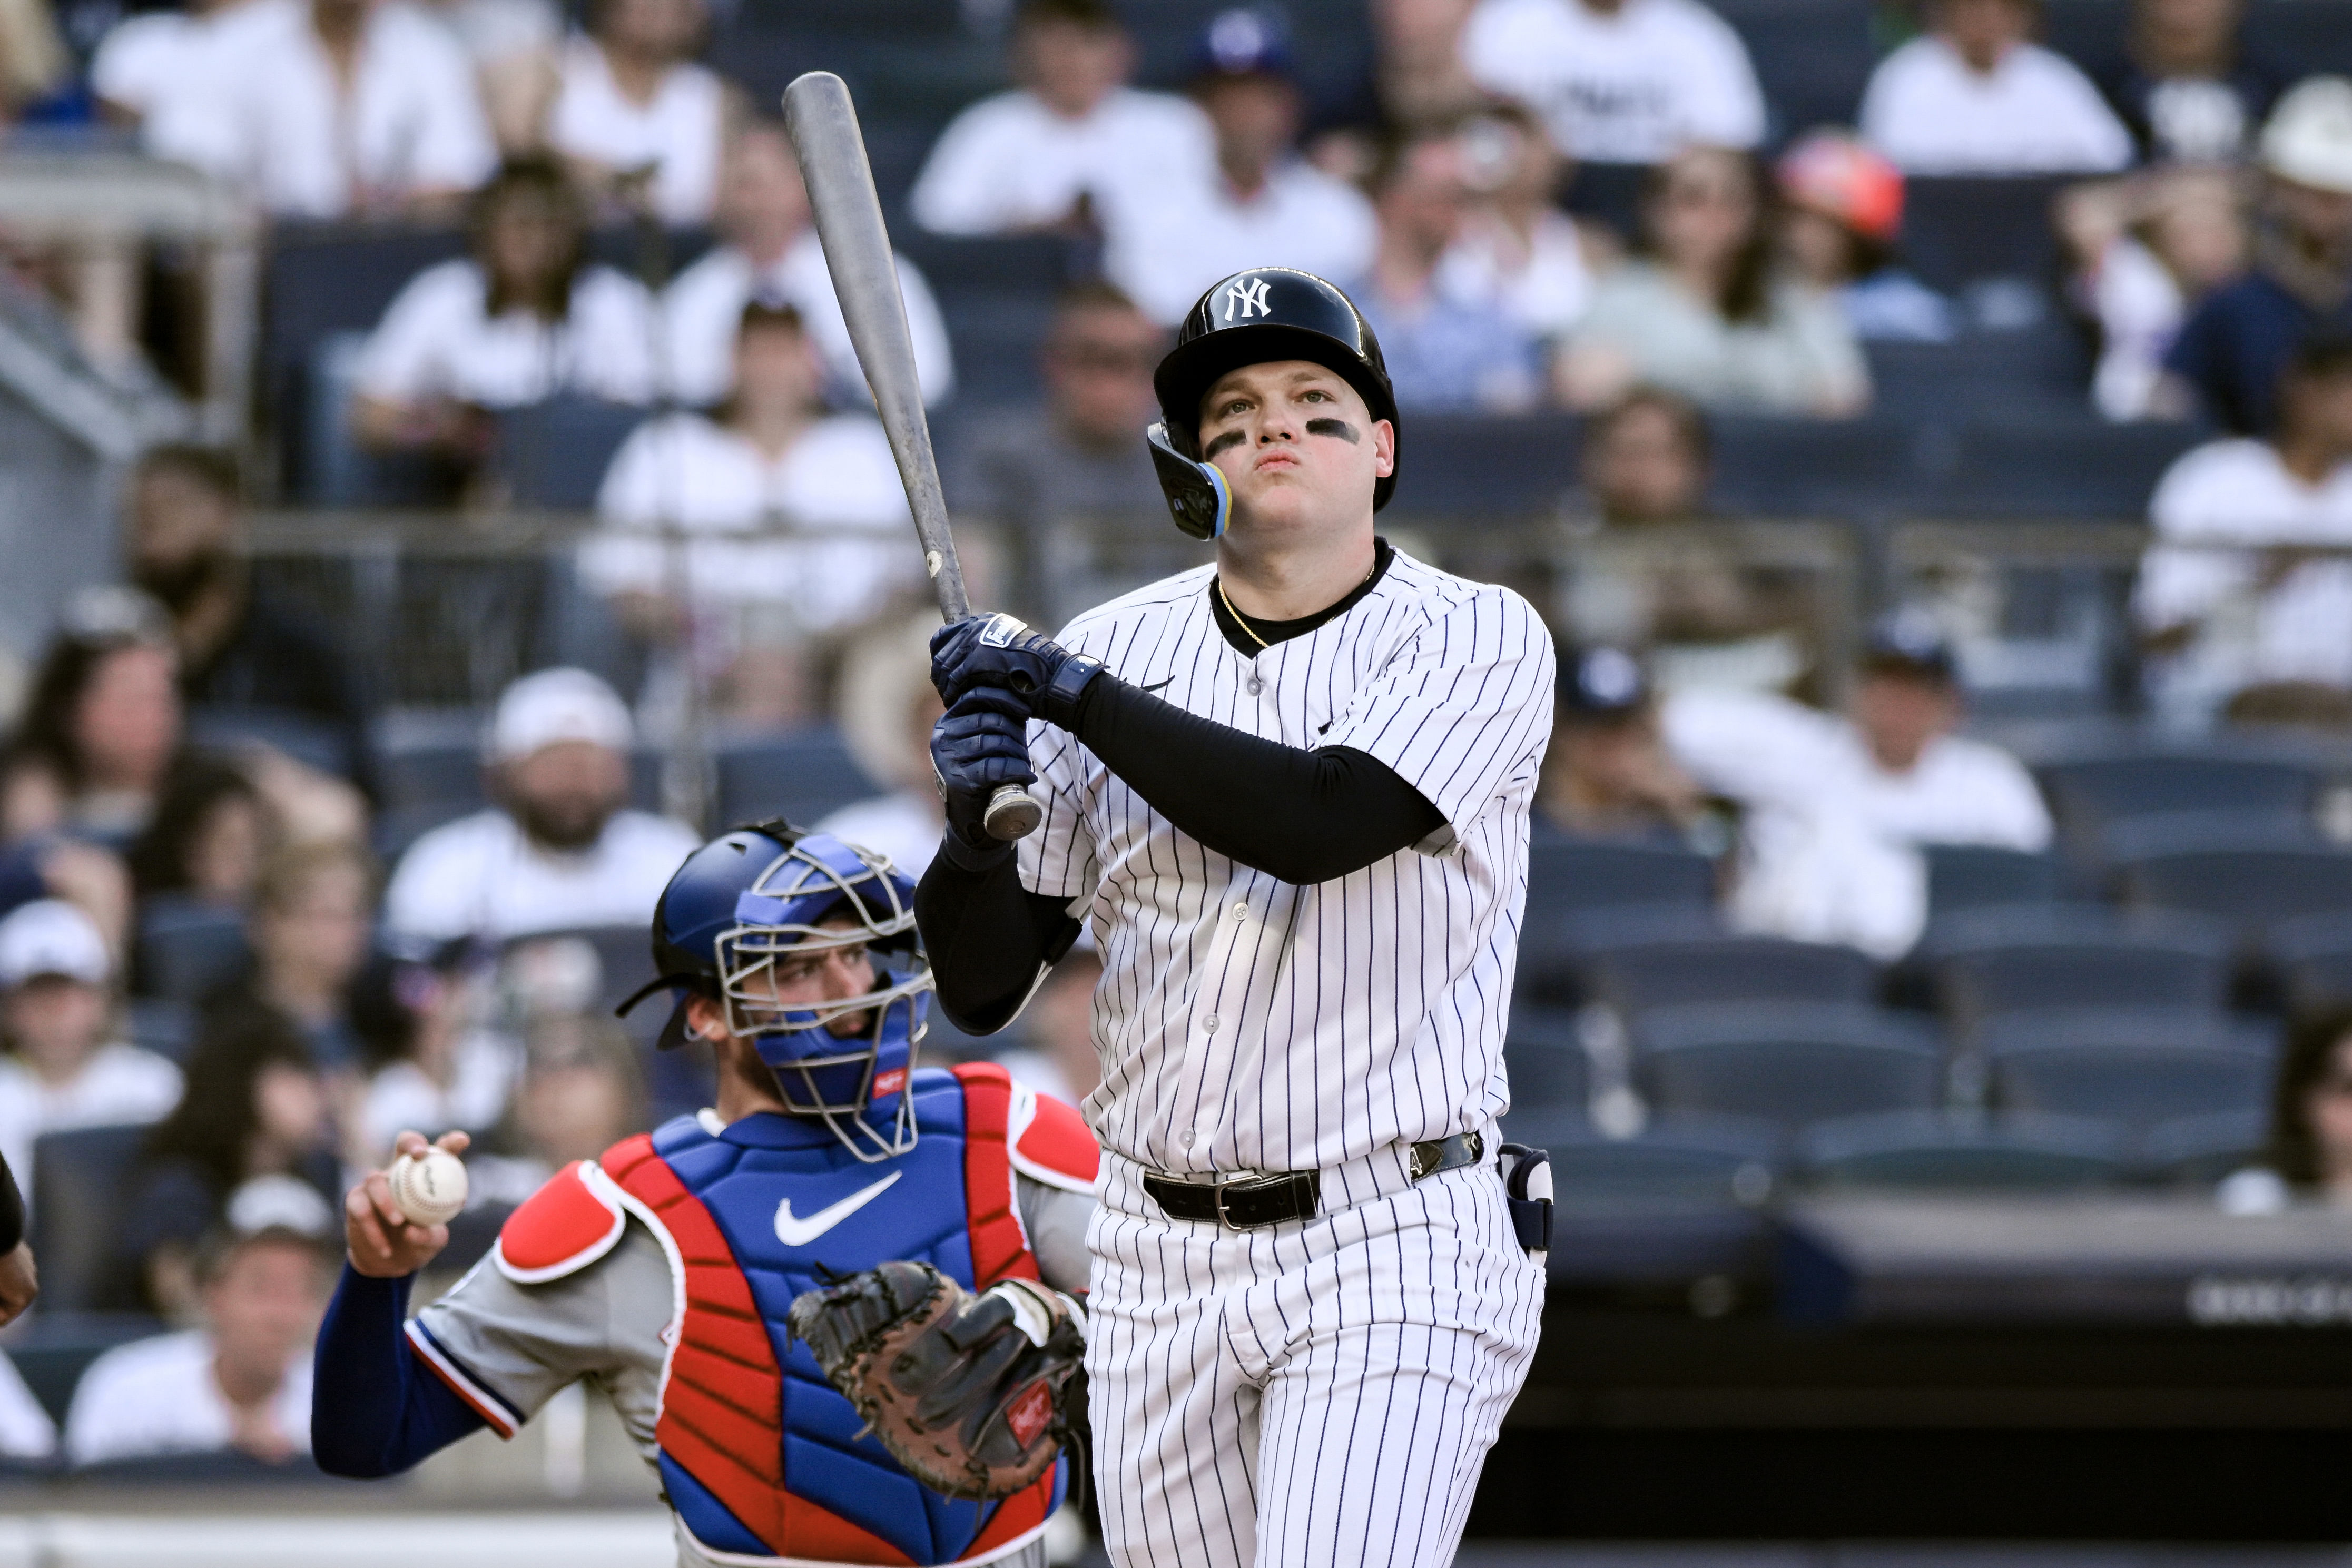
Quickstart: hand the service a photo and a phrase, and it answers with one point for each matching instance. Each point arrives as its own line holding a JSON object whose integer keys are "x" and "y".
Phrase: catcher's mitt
{"x": 965, "y": 1391}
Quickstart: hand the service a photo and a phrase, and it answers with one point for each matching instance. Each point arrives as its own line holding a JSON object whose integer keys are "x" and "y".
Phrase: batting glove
{"x": 978, "y": 745}
{"x": 1001, "y": 653}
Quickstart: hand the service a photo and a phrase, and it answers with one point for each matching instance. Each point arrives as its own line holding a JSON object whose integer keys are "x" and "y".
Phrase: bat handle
{"x": 1011, "y": 814}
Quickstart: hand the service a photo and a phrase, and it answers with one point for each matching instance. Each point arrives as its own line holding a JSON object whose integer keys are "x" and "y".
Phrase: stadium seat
{"x": 1546, "y": 1060}
{"x": 164, "y": 1025}
{"x": 52, "y": 1348}
{"x": 1680, "y": 1201}
{"x": 1960, "y": 1150}
{"x": 1555, "y": 949}
{"x": 1981, "y": 375}
{"x": 1977, "y": 876}
{"x": 1790, "y": 1063}
{"x": 1812, "y": 58}
{"x": 802, "y": 775}
{"x": 2092, "y": 793}
{"x": 1482, "y": 465}
{"x": 1638, "y": 973}
{"x": 1567, "y": 876}
{"x": 76, "y": 1212}
{"x": 1784, "y": 467}
{"x": 2200, "y": 1150}
{"x": 186, "y": 948}
{"x": 306, "y": 738}
{"x": 2046, "y": 464}
{"x": 1607, "y": 194}
{"x": 2250, "y": 870}
{"x": 2313, "y": 957}
{"x": 1965, "y": 228}
{"x": 2312, "y": 36}
{"x": 2140, "y": 1067}
{"x": 553, "y": 454}
{"x": 1992, "y": 961}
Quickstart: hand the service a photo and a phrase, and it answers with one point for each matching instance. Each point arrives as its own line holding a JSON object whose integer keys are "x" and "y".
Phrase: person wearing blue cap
{"x": 1607, "y": 773}
{"x": 1260, "y": 202}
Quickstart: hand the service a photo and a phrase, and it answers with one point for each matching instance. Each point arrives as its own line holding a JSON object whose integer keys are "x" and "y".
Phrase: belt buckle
{"x": 1246, "y": 1184}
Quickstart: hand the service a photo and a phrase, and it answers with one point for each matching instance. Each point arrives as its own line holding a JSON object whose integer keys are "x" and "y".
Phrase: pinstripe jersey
{"x": 1249, "y": 1024}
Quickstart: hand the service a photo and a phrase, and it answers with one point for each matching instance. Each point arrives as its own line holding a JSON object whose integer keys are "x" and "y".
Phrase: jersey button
{"x": 1257, "y": 684}
{"x": 1209, "y": 1024}
{"x": 1240, "y": 912}
{"x": 1184, "y": 1138}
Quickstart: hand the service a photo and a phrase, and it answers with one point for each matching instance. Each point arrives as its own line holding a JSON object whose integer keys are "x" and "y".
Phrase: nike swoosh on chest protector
{"x": 794, "y": 1232}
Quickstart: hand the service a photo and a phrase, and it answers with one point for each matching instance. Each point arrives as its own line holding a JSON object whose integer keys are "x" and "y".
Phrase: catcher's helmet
{"x": 769, "y": 894}
{"x": 1265, "y": 313}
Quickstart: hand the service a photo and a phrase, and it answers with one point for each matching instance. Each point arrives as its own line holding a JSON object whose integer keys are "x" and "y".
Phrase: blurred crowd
{"x": 350, "y": 980}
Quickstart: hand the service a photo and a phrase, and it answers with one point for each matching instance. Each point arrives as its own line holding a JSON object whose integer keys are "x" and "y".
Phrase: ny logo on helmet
{"x": 1250, "y": 296}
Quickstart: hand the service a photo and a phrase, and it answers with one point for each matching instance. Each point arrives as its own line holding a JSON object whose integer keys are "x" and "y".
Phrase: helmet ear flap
{"x": 1198, "y": 499}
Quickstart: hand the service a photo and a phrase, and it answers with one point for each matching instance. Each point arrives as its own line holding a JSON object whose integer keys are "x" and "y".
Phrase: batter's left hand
{"x": 1000, "y": 651}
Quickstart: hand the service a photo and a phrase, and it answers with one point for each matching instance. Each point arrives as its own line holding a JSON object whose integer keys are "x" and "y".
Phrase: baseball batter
{"x": 1288, "y": 794}
{"x": 664, "y": 1271}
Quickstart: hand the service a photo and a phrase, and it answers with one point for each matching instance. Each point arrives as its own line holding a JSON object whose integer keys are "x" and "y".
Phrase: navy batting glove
{"x": 999, "y": 651}
{"x": 978, "y": 745}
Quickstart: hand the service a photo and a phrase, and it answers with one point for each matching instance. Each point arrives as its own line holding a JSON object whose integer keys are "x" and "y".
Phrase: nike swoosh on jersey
{"x": 1159, "y": 685}
{"x": 794, "y": 1232}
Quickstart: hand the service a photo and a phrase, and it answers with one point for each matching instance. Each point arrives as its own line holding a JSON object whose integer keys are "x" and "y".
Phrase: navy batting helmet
{"x": 1266, "y": 313}
{"x": 759, "y": 899}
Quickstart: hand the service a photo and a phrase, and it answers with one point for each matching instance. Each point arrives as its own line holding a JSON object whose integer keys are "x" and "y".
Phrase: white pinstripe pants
{"x": 1315, "y": 1395}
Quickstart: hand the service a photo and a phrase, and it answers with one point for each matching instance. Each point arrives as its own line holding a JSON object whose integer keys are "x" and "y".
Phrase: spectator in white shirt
{"x": 1972, "y": 96}
{"x": 823, "y": 489}
{"x": 1619, "y": 81}
{"x": 320, "y": 109}
{"x": 1071, "y": 141}
{"x": 2146, "y": 249}
{"x": 1260, "y": 201}
{"x": 560, "y": 852}
{"x": 240, "y": 1382}
{"x": 1516, "y": 246}
{"x": 1837, "y": 807}
{"x": 639, "y": 121}
{"x": 65, "y": 1067}
{"x": 2218, "y": 621}
{"x": 1415, "y": 79}
{"x": 888, "y": 707}
{"x": 145, "y": 58}
{"x": 771, "y": 253}
{"x": 527, "y": 317}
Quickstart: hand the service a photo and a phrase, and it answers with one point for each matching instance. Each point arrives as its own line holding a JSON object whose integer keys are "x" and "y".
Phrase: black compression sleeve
{"x": 1302, "y": 816}
{"x": 988, "y": 936}
{"x": 12, "y": 1210}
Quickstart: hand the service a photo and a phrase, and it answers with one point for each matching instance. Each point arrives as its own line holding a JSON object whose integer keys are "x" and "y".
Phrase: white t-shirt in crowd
{"x": 1166, "y": 249}
{"x": 2140, "y": 306}
{"x": 120, "y": 1084}
{"x": 1831, "y": 837}
{"x": 156, "y": 1396}
{"x": 903, "y": 825}
{"x": 401, "y": 1095}
{"x": 680, "y": 132}
{"x": 478, "y": 877}
{"x": 261, "y": 106}
{"x": 1009, "y": 162}
{"x": 27, "y": 1433}
{"x": 145, "y": 58}
{"x": 2299, "y": 629}
{"x": 1628, "y": 87}
{"x": 703, "y": 306}
{"x": 438, "y": 338}
{"x": 2034, "y": 113}
{"x": 1544, "y": 287}
{"x": 837, "y": 484}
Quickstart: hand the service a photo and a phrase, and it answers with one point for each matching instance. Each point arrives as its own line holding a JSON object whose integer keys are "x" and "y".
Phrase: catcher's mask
{"x": 739, "y": 922}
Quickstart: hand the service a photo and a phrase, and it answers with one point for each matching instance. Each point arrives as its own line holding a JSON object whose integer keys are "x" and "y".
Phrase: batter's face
{"x": 1298, "y": 447}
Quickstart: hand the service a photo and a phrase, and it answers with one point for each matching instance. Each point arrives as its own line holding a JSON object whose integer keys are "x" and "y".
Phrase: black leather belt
{"x": 1247, "y": 1203}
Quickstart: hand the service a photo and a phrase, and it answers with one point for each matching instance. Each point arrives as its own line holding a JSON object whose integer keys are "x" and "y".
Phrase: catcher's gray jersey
{"x": 605, "y": 1325}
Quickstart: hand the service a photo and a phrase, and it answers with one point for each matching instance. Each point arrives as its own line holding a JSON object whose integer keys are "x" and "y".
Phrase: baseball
{"x": 430, "y": 1188}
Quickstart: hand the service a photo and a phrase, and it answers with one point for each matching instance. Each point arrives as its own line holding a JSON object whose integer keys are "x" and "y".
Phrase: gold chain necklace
{"x": 1242, "y": 621}
{"x": 1236, "y": 614}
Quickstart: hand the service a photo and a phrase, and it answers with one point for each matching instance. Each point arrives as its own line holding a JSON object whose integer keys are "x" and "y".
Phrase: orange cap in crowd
{"x": 1837, "y": 176}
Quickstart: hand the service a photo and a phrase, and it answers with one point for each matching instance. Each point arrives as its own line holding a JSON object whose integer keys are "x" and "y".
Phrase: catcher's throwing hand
{"x": 965, "y": 1391}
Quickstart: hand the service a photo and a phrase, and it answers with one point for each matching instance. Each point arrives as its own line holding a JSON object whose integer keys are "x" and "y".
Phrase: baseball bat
{"x": 831, "y": 149}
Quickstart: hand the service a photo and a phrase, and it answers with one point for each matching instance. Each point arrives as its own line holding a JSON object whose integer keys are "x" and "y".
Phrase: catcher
{"x": 830, "y": 1218}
